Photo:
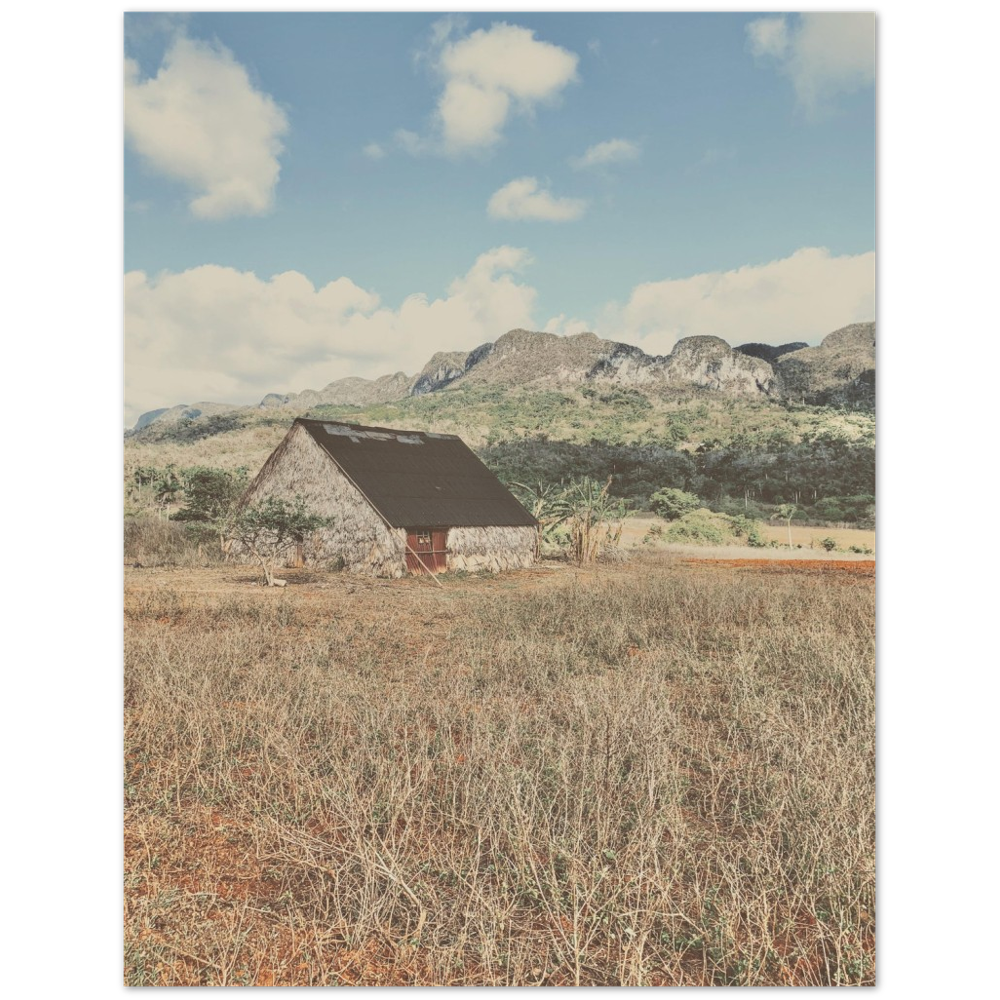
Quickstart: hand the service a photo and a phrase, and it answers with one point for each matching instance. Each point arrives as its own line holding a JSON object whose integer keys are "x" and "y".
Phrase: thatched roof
{"x": 418, "y": 479}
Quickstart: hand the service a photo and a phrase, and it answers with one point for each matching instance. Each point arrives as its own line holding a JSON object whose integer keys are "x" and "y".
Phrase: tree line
{"x": 827, "y": 478}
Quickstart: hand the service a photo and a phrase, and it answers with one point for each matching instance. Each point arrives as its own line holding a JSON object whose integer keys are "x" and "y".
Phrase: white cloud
{"x": 768, "y": 36}
{"x": 472, "y": 116}
{"x": 441, "y": 30}
{"x": 201, "y": 121}
{"x": 214, "y": 333}
{"x": 143, "y": 26}
{"x": 374, "y": 151}
{"x": 131, "y": 205}
{"x": 823, "y": 54}
{"x": 604, "y": 153}
{"x": 566, "y": 326}
{"x": 801, "y": 297}
{"x": 410, "y": 142}
{"x": 488, "y": 76}
{"x": 521, "y": 199}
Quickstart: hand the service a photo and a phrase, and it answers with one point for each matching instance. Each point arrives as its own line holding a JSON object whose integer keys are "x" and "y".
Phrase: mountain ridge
{"x": 840, "y": 370}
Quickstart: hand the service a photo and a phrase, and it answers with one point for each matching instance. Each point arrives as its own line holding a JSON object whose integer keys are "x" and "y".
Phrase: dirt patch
{"x": 857, "y": 567}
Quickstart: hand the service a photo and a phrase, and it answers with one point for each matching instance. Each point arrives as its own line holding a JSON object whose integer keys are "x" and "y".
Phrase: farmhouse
{"x": 401, "y": 501}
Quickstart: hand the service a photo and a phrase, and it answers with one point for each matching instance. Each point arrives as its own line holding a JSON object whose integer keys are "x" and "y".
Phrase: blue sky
{"x": 309, "y": 196}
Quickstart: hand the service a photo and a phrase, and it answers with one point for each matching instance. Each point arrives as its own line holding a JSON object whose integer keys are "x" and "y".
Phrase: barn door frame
{"x": 427, "y": 550}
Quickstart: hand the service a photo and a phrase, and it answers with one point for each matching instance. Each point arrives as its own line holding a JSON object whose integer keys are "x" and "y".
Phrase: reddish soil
{"x": 858, "y": 567}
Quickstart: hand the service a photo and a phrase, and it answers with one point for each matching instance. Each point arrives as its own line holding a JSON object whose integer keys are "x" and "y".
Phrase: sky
{"x": 311, "y": 196}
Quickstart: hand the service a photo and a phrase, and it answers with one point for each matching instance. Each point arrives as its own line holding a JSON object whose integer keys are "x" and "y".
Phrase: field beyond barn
{"x": 659, "y": 772}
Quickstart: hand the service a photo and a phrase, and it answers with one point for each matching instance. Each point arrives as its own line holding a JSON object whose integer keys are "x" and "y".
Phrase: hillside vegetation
{"x": 745, "y": 452}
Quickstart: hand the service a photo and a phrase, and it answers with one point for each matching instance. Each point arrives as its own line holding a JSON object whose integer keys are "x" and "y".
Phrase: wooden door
{"x": 426, "y": 550}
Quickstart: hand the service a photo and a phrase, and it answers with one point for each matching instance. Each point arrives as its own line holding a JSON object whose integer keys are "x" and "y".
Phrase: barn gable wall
{"x": 358, "y": 540}
{"x": 495, "y": 549}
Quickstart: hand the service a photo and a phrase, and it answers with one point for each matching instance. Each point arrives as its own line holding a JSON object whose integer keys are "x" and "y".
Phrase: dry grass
{"x": 649, "y": 774}
{"x": 248, "y": 446}
{"x": 636, "y": 526}
{"x": 812, "y": 537}
{"x": 158, "y": 541}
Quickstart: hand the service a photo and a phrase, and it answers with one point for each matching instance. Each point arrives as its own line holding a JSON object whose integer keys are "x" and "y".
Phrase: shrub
{"x": 673, "y": 504}
{"x": 705, "y": 527}
{"x": 829, "y": 544}
{"x": 746, "y": 527}
{"x": 700, "y": 527}
{"x": 653, "y": 534}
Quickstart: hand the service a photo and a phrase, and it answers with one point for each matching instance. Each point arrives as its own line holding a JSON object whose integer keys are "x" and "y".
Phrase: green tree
{"x": 672, "y": 504}
{"x": 269, "y": 527}
{"x": 165, "y": 485}
{"x": 210, "y": 495}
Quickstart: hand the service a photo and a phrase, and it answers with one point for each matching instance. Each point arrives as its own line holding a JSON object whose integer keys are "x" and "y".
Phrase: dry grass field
{"x": 804, "y": 537}
{"x": 811, "y": 537}
{"x": 659, "y": 772}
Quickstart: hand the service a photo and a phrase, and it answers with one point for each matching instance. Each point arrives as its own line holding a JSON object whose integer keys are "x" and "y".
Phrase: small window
{"x": 423, "y": 538}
